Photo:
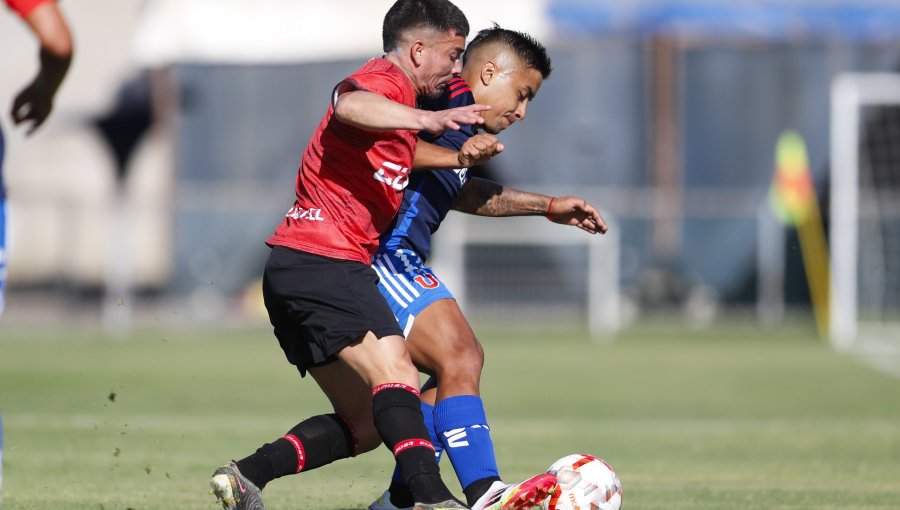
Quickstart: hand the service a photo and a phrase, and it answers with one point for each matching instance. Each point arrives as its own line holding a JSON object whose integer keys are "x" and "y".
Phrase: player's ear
{"x": 488, "y": 72}
{"x": 416, "y": 52}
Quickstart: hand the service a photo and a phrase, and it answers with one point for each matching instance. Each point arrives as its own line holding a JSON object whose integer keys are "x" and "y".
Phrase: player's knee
{"x": 391, "y": 364}
{"x": 472, "y": 359}
{"x": 402, "y": 370}
{"x": 472, "y": 362}
{"x": 463, "y": 363}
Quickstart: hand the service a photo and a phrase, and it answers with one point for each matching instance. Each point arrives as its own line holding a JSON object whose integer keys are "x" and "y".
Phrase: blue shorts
{"x": 407, "y": 285}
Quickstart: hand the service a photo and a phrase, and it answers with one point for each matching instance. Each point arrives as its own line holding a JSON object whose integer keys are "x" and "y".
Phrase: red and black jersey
{"x": 350, "y": 183}
{"x": 24, "y": 7}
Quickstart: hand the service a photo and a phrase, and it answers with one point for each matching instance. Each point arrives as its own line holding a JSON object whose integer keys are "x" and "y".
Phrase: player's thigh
{"x": 441, "y": 341}
{"x": 438, "y": 335}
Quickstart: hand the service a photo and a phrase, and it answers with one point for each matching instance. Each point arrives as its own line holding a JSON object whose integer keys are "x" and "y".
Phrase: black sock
{"x": 401, "y": 496}
{"x": 398, "y": 418}
{"x": 313, "y": 443}
{"x": 257, "y": 468}
{"x": 476, "y": 489}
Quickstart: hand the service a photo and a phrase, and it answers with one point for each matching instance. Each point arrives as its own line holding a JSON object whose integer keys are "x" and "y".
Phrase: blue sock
{"x": 428, "y": 413}
{"x": 462, "y": 426}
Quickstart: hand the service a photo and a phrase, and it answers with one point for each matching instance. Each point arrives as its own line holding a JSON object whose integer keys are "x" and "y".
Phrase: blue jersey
{"x": 429, "y": 195}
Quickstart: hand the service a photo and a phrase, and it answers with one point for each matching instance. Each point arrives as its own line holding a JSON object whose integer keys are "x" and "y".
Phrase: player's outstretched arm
{"x": 35, "y": 102}
{"x": 374, "y": 112}
{"x": 475, "y": 151}
{"x": 487, "y": 198}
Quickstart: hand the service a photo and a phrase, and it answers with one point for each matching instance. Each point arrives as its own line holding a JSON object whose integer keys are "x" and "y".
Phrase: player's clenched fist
{"x": 479, "y": 149}
{"x": 453, "y": 118}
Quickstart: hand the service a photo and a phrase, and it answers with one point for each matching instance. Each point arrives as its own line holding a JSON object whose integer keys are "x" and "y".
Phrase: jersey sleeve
{"x": 383, "y": 84}
{"x": 24, "y": 7}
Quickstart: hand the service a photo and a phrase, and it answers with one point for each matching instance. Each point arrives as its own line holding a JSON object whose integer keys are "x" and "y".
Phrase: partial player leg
{"x": 364, "y": 417}
{"x": 398, "y": 496}
{"x": 312, "y": 443}
{"x": 442, "y": 339}
{"x": 385, "y": 365}
{"x": 321, "y": 439}
{"x": 441, "y": 342}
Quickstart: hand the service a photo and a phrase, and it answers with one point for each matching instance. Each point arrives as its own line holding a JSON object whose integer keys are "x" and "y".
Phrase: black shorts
{"x": 319, "y": 305}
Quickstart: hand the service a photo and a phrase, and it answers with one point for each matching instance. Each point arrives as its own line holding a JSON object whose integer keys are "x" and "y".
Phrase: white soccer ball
{"x": 585, "y": 483}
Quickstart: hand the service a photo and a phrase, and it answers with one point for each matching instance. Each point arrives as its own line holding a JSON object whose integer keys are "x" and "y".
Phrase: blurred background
{"x": 746, "y": 155}
{"x": 172, "y": 152}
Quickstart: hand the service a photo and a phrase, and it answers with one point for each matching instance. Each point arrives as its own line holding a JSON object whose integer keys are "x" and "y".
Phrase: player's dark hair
{"x": 532, "y": 53}
{"x": 405, "y": 15}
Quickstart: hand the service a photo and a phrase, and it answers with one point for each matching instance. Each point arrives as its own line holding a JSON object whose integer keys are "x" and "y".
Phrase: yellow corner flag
{"x": 793, "y": 200}
{"x": 792, "y": 195}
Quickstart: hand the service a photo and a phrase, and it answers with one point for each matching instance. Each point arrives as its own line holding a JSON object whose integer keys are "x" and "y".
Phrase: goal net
{"x": 528, "y": 272}
{"x": 865, "y": 212}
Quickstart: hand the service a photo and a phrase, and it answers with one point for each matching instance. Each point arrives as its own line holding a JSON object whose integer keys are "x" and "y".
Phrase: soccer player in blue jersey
{"x": 504, "y": 69}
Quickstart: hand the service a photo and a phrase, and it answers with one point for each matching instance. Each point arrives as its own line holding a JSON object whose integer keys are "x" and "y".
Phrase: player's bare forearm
{"x": 487, "y": 198}
{"x": 374, "y": 112}
{"x": 430, "y": 156}
{"x": 48, "y": 24}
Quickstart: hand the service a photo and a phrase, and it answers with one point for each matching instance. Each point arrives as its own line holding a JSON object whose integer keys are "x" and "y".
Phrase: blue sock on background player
{"x": 461, "y": 425}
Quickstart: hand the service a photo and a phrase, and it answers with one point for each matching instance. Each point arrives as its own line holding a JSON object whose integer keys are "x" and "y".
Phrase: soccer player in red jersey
{"x": 35, "y": 102}
{"x": 319, "y": 288}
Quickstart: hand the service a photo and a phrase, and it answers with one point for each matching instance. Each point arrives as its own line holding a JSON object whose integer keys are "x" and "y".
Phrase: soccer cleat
{"x": 384, "y": 503}
{"x": 233, "y": 490}
{"x": 518, "y": 496}
{"x": 450, "y": 504}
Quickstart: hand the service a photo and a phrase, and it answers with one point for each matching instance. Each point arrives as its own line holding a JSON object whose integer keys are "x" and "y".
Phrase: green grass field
{"x": 731, "y": 418}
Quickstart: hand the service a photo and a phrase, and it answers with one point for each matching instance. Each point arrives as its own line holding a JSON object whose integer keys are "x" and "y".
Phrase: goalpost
{"x": 865, "y": 210}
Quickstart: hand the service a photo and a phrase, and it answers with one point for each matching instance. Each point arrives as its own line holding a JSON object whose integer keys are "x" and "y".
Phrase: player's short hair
{"x": 532, "y": 53}
{"x": 405, "y": 15}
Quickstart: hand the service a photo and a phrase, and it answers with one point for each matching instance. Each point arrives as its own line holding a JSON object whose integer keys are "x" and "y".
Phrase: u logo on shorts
{"x": 427, "y": 281}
